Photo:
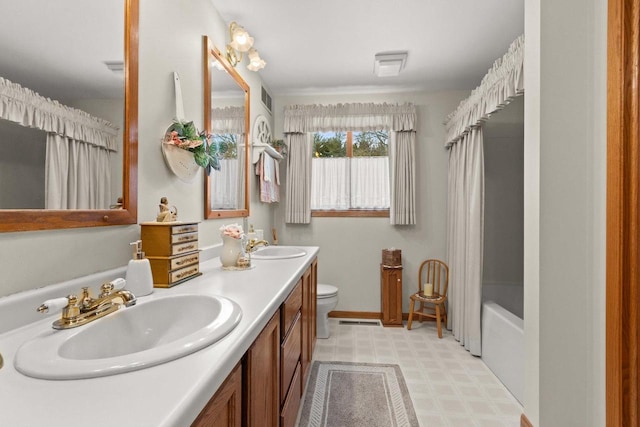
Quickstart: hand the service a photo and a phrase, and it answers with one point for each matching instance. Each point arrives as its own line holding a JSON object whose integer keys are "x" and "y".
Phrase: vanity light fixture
{"x": 255, "y": 62}
{"x": 389, "y": 64}
{"x": 240, "y": 43}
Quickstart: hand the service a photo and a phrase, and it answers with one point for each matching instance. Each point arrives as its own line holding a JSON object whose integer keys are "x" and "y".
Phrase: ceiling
{"x": 329, "y": 45}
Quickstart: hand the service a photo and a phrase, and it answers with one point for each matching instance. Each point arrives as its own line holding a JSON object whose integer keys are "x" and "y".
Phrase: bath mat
{"x": 341, "y": 394}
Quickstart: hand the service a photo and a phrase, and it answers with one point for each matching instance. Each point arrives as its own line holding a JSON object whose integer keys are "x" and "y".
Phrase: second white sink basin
{"x": 138, "y": 337}
{"x": 278, "y": 252}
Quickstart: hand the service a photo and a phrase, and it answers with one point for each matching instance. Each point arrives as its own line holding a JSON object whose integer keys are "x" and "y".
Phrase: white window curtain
{"x": 343, "y": 183}
{"x": 330, "y": 186}
{"x": 228, "y": 120}
{"x": 303, "y": 119}
{"x": 225, "y": 186}
{"x": 403, "y": 178}
{"x": 298, "y": 203}
{"x": 369, "y": 188}
{"x": 465, "y": 228}
{"x": 82, "y": 179}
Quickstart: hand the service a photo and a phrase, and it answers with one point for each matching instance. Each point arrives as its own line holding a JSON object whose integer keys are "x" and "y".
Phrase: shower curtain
{"x": 465, "y": 228}
{"x": 465, "y": 236}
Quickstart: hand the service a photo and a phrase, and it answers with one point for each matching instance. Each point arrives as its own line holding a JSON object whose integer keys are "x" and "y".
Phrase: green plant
{"x": 185, "y": 135}
{"x": 279, "y": 146}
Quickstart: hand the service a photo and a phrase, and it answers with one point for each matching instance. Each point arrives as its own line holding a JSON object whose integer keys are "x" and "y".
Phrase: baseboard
{"x": 356, "y": 314}
{"x": 369, "y": 315}
{"x": 524, "y": 421}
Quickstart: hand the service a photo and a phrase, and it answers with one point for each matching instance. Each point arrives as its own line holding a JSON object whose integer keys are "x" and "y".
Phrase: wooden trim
{"x": 211, "y": 53}
{"x": 524, "y": 421}
{"x": 383, "y": 213}
{"x": 623, "y": 214}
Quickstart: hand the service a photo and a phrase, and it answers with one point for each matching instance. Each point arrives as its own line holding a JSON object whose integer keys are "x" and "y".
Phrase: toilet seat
{"x": 326, "y": 291}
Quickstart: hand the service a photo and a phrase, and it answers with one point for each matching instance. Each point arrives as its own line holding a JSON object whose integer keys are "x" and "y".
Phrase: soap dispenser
{"x": 139, "y": 278}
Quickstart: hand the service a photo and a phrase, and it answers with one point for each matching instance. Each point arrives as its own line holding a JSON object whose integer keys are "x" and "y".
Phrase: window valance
{"x": 503, "y": 82}
{"x": 228, "y": 120}
{"x": 349, "y": 117}
{"x": 27, "y": 108}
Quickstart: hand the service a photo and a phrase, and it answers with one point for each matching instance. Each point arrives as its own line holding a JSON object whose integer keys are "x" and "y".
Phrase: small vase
{"x": 231, "y": 251}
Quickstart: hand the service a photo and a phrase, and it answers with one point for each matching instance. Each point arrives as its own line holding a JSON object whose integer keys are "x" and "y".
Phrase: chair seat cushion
{"x": 435, "y": 298}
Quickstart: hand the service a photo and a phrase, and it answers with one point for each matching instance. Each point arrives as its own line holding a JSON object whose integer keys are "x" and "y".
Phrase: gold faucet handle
{"x": 109, "y": 287}
{"x": 55, "y": 304}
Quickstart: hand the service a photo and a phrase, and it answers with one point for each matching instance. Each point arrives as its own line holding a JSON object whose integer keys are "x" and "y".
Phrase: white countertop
{"x": 171, "y": 394}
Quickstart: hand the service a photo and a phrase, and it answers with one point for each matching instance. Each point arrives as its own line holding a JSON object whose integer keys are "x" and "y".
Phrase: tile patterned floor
{"x": 448, "y": 386}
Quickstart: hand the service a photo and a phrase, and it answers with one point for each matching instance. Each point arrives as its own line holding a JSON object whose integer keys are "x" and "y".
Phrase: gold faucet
{"x": 253, "y": 243}
{"x": 80, "y": 311}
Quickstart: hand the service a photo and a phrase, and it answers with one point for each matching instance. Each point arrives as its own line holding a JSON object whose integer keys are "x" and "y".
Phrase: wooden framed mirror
{"x": 82, "y": 57}
{"x": 226, "y": 118}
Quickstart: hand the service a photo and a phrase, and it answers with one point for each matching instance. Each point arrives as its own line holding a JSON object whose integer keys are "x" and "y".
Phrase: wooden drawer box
{"x": 291, "y": 348}
{"x": 290, "y": 309}
{"x": 169, "y": 271}
{"x": 160, "y": 239}
{"x": 172, "y": 250}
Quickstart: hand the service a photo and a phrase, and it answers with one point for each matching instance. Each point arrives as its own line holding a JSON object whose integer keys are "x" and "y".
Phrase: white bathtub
{"x": 503, "y": 346}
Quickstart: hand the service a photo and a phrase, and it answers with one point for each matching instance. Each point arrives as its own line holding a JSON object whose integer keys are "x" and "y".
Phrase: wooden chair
{"x": 436, "y": 272}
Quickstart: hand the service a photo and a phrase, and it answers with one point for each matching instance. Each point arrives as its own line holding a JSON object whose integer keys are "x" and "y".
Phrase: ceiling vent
{"x": 389, "y": 64}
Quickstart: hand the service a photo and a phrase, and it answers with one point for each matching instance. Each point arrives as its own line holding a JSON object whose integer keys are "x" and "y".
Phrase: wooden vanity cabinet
{"x": 224, "y": 408}
{"x": 274, "y": 369}
{"x": 262, "y": 378}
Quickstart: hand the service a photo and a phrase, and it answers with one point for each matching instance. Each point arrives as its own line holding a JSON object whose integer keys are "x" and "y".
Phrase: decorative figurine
{"x": 167, "y": 213}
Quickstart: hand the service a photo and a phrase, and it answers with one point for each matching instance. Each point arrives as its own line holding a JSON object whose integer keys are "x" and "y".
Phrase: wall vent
{"x": 266, "y": 99}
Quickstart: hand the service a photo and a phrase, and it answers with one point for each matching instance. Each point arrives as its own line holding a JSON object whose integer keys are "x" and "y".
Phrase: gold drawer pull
{"x": 186, "y": 248}
{"x": 187, "y": 260}
{"x": 186, "y": 238}
{"x": 186, "y": 273}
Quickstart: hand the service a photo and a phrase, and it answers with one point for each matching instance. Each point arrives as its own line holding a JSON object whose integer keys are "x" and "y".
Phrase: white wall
{"x": 22, "y": 159}
{"x": 350, "y": 248}
{"x": 34, "y": 259}
{"x": 565, "y": 152}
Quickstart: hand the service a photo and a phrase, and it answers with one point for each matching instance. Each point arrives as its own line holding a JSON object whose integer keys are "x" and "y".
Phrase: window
{"x": 350, "y": 174}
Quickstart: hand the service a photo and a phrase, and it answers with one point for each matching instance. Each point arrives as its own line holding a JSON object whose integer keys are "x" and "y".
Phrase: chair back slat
{"x": 436, "y": 272}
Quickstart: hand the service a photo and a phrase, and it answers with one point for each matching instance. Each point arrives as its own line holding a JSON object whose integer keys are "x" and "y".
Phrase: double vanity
{"x": 220, "y": 348}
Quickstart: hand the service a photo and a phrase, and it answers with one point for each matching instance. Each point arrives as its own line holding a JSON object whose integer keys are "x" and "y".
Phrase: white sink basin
{"x": 278, "y": 252}
{"x": 138, "y": 337}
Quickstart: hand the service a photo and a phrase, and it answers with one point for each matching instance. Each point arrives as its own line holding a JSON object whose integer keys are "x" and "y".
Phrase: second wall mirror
{"x": 226, "y": 117}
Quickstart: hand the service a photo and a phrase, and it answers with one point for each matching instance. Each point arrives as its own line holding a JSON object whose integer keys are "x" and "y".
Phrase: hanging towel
{"x": 268, "y": 171}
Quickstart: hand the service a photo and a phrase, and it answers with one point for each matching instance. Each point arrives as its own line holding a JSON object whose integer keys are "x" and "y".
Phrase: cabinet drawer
{"x": 290, "y": 309}
{"x": 162, "y": 266}
{"x": 183, "y": 273}
{"x": 182, "y": 238}
{"x": 292, "y": 403}
{"x": 290, "y": 355}
{"x": 184, "y": 248}
{"x": 187, "y": 228}
{"x": 165, "y": 240}
{"x": 166, "y": 280}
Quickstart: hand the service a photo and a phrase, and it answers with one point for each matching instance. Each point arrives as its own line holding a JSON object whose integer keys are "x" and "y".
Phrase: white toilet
{"x": 327, "y": 300}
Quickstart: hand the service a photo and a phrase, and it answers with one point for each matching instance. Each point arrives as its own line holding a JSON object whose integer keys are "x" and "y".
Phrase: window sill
{"x": 384, "y": 213}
